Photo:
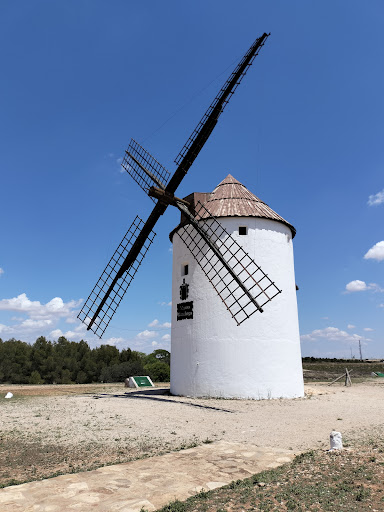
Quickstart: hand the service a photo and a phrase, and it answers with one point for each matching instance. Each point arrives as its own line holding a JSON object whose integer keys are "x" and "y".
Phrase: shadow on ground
{"x": 150, "y": 394}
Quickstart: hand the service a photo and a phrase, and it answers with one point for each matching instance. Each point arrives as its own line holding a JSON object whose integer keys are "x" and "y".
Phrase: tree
{"x": 89, "y": 366}
{"x": 158, "y": 355}
{"x": 42, "y": 358}
{"x": 65, "y": 377}
{"x": 126, "y": 355}
{"x": 15, "y": 361}
{"x": 65, "y": 361}
{"x": 81, "y": 377}
{"x": 159, "y": 371}
{"x": 35, "y": 378}
{"x": 120, "y": 372}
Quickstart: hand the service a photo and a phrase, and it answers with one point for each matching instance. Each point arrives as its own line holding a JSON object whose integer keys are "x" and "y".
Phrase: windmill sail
{"x": 147, "y": 172}
{"x": 112, "y": 284}
{"x": 143, "y": 168}
{"x": 257, "y": 289}
{"x": 220, "y": 102}
{"x": 208, "y": 122}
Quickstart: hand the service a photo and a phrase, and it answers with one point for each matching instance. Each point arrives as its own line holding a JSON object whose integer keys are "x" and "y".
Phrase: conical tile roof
{"x": 232, "y": 199}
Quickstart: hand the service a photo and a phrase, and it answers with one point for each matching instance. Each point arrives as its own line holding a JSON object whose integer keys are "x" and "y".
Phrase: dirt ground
{"x": 49, "y": 430}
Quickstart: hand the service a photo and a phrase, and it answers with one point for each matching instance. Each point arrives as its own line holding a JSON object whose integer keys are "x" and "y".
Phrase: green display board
{"x": 143, "y": 382}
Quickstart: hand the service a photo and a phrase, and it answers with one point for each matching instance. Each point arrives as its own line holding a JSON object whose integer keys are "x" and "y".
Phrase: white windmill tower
{"x": 213, "y": 355}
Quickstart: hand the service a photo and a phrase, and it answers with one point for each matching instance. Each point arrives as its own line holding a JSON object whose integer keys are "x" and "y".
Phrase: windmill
{"x": 241, "y": 284}
{"x": 211, "y": 355}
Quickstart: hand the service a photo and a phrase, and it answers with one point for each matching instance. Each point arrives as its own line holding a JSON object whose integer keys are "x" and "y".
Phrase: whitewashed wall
{"x": 261, "y": 358}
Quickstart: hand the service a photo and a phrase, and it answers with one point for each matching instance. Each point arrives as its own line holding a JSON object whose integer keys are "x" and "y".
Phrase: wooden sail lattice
{"x": 111, "y": 276}
{"x": 144, "y": 168}
{"x": 261, "y": 288}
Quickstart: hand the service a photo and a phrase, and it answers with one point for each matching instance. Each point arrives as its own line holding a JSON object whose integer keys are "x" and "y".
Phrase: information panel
{"x": 141, "y": 381}
{"x": 185, "y": 310}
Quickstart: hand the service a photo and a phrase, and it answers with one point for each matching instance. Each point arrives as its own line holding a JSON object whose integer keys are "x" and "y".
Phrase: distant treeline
{"x": 66, "y": 362}
{"x": 335, "y": 360}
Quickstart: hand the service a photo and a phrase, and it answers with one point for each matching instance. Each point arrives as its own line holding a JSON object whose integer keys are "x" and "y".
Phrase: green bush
{"x": 158, "y": 372}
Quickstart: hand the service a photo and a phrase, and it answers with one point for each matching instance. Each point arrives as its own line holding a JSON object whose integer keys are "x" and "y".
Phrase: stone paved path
{"x": 149, "y": 483}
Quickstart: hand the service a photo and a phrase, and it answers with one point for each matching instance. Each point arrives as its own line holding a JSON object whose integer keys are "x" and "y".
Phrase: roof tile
{"x": 232, "y": 199}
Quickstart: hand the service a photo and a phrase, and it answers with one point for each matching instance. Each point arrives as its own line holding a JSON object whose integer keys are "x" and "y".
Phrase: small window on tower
{"x": 184, "y": 269}
{"x": 242, "y": 230}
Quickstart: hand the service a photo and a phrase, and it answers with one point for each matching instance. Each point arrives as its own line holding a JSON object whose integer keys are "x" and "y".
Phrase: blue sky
{"x": 304, "y": 132}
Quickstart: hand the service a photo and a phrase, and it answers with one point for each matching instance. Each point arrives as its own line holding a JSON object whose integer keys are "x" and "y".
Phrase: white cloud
{"x": 361, "y": 286}
{"x": 368, "y": 329}
{"x": 113, "y": 341}
{"x": 54, "y": 308}
{"x": 55, "y": 334}
{"x": 1, "y": 271}
{"x": 29, "y": 323}
{"x": 166, "y": 337}
{"x": 35, "y": 319}
{"x": 165, "y": 303}
{"x": 156, "y": 323}
{"x": 154, "y": 343}
{"x": 332, "y": 334}
{"x": 76, "y": 334}
{"x": 350, "y": 326}
{"x": 376, "y": 252}
{"x": 5, "y": 329}
{"x": 72, "y": 335}
{"x": 356, "y": 286}
{"x": 122, "y": 170}
{"x": 144, "y": 335}
{"x": 19, "y": 303}
{"x": 375, "y": 287}
{"x": 376, "y": 199}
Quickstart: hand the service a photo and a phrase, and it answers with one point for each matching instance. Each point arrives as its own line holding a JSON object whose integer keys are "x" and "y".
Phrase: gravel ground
{"x": 104, "y": 425}
{"x": 116, "y": 413}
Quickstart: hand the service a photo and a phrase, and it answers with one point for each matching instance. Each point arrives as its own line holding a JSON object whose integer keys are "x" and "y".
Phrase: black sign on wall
{"x": 184, "y": 290}
{"x": 185, "y": 310}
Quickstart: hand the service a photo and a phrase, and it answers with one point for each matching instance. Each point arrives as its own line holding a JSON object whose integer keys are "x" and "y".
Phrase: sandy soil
{"x": 90, "y": 426}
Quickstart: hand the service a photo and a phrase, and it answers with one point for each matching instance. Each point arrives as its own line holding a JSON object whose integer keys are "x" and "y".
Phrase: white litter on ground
{"x": 336, "y": 440}
{"x": 9, "y": 395}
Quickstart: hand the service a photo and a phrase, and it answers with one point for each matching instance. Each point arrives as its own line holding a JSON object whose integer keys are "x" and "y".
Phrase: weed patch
{"x": 315, "y": 481}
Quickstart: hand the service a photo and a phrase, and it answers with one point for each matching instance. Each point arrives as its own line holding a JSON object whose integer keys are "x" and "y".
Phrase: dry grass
{"x": 46, "y": 436}
{"x": 323, "y": 371}
{"x": 27, "y": 390}
{"x": 350, "y": 480}
{"x": 31, "y": 458}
